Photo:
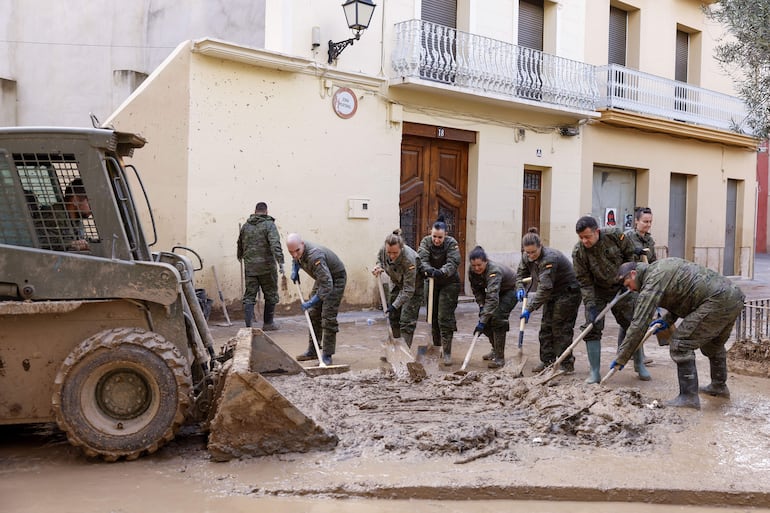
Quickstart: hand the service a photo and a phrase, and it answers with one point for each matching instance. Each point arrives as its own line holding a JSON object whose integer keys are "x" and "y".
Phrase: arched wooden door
{"x": 434, "y": 181}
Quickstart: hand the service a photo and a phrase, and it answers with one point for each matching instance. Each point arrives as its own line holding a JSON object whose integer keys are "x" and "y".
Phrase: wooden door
{"x": 434, "y": 181}
{"x": 530, "y": 205}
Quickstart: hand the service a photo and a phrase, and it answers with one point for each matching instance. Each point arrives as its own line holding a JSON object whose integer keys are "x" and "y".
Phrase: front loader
{"x": 106, "y": 337}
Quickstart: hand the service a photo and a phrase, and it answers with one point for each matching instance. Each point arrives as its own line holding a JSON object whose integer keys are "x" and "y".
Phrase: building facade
{"x": 497, "y": 114}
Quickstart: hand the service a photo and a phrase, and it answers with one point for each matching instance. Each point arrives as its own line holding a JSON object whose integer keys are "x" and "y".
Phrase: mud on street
{"x": 473, "y": 437}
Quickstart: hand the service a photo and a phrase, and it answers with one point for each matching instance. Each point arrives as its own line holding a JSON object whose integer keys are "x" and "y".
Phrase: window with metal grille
{"x": 61, "y": 215}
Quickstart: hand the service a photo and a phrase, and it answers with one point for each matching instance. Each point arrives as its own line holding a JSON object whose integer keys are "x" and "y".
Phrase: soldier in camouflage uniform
{"x": 596, "y": 259}
{"x": 644, "y": 244}
{"x": 708, "y": 302}
{"x": 330, "y": 277}
{"x": 440, "y": 258}
{"x": 402, "y": 265}
{"x": 259, "y": 248}
{"x": 494, "y": 287}
{"x": 558, "y": 292}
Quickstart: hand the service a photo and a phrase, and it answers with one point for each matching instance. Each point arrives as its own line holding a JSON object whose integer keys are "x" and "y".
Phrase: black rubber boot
{"x": 310, "y": 354}
{"x": 718, "y": 385}
{"x": 499, "y": 348}
{"x": 269, "y": 324}
{"x": 446, "y": 349}
{"x": 248, "y": 314}
{"x": 408, "y": 338}
{"x": 688, "y": 386}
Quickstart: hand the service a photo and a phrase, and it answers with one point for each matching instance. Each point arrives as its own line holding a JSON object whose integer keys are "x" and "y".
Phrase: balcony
{"x": 425, "y": 52}
{"x": 633, "y": 91}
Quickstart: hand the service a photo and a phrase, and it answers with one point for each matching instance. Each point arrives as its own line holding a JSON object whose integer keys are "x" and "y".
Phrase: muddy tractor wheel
{"x": 121, "y": 393}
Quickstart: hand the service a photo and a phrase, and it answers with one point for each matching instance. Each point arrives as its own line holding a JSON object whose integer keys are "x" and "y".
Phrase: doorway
{"x": 434, "y": 181}
{"x": 677, "y": 215}
{"x": 728, "y": 265}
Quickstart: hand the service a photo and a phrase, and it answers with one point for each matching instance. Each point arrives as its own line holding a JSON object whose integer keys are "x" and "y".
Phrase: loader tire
{"x": 121, "y": 393}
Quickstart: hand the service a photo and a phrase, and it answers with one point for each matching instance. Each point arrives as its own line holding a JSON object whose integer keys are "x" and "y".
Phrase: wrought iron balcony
{"x": 482, "y": 65}
{"x": 634, "y": 91}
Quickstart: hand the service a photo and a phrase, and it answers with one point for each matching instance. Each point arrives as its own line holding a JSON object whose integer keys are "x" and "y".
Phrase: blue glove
{"x": 392, "y": 313}
{"x": 616, "y": 364}
{"x": 479, "y": 328}
{"x": 310, "y": 303}
{"x": 520, "y": 295}
{"x": 524, "y": 315}
{"x": 295, "y": 272}
{"x": 659, "y": 325}
{"x": 591, "y": 314}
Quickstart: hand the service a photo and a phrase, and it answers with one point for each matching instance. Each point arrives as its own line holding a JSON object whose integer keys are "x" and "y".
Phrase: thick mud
{"x": 750, "y": 358}
{"x": 380, "y": 414}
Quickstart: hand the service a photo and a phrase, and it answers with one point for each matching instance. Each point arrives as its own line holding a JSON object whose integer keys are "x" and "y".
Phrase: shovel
{"x": 647, "y": 335}
{"x": 586, "y": 331}
{"x": 423, "y": 350}
{"x": 462, "y": 370}
{"x": 221, "y": 298}
{"x": 415, "y": 369}
{"x": 322, "y": 368}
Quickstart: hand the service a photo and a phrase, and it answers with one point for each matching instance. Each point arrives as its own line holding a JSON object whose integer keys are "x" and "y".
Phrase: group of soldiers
{"x": 609, "y": 270}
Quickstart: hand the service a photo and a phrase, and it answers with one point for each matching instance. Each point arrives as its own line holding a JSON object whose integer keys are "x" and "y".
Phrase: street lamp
{"x": 358, "y": 14}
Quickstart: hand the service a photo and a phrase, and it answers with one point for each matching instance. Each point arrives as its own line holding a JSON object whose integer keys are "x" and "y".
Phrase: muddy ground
{"x": 475, "y": 437}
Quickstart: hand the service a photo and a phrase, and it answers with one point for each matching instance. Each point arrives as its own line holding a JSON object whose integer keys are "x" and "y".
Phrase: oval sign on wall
{"x": 344, "y": 103}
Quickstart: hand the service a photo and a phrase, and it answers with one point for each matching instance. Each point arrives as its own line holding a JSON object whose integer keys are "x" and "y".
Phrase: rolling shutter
{"x": 682, "y": 50}
{"x": 617, "y": 46}
{"x": 441, "y": 12}
{"x": 531, "y": 16}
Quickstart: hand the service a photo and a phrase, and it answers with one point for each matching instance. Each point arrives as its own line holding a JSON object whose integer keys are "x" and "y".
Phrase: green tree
{"x": 745, "y": 55}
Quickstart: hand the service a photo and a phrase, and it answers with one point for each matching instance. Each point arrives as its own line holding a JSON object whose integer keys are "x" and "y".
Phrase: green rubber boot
{"x": 688, "y": 386}
{"x": 594, "y": 350}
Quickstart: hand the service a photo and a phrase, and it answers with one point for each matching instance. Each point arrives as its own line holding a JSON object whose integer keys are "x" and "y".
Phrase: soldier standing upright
{"x": 494, "y": 287}
{"x": 259, "y": 248}
{"x": 402, "y": 265}
{"x": 558, "y": 292}
{"x": 330, "y": 277}
{"x": 440, "y": 259}
{"x": 641, "y": 238}
{"x": 596, "y": 259}
{"x": 708, "y": 302}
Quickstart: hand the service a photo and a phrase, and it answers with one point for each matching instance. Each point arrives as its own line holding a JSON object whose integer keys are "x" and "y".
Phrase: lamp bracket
{"x": 335, "y": 49}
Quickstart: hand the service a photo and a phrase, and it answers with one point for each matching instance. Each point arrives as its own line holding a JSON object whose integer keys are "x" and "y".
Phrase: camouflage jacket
{"x": 445, "y": 257}
{"x": 555, "y": 276}
{"x": 487, "y": 287}
{"x": 678, "y": 286}
{"x": 259, "y": 245}
{"x": 323, "y": 266}
{"x": 644, "y": 242}
{"x": 596, "y": 268}
{"x": 404, "y": 272}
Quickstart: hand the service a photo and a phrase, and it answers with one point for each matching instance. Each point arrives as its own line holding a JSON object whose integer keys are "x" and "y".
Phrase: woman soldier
{"x": 494, "y": 287}
{"x": 401, "y": 263}
{"x": 644, "y": 244}
{"x": 440, "y": 259}
{"x": 558, "y": 292}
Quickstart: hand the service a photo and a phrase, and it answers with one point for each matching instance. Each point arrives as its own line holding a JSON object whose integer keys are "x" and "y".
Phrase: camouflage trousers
{"x": 405, "y": 321}
{"x": 623, "y": 311}
{"x": 557, "y": 325}
{"x": 323, "y": 316}
{"x": 707, "y": 328}
{"x": 268, "y": 282}
{"x": 444, "y": 323}
{"x": 499, "y": 322}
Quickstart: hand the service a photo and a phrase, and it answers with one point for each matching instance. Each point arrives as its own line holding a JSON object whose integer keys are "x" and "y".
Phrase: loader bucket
{"x": 251, "y": 417}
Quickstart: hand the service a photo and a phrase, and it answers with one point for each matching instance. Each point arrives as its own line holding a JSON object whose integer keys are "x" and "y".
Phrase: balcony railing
{"x": 442, "y": 54}
{"x": 631, "y": 90}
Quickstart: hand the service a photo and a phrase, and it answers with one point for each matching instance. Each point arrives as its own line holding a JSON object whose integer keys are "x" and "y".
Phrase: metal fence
{"x": 753, "y": 324}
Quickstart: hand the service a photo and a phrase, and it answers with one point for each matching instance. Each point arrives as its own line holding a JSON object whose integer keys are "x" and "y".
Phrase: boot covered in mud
{"x": 329, "y": 345}
{"x": 499, "y": 349}
{"x": 446, "y": 351}
{"x": 310, "y": 354}
{"x": 594, "y": 351}
{"x": 269, "y": 323}
{"x": 718, "y": 385}
{"x": 639, "y": 366}
{"x": 248, "y": 314}
{"x": 408, "y": 337}
{"x": 688, "y": 386}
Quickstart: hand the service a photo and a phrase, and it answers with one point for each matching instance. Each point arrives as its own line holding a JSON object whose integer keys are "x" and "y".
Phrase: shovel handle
{"x": 522, "y": 323}
{"x": 430, "y": 300}
{"x": 470, "y": 352}
{"x": 587, "y": 330}
{"x": 647, "y": 335}
{"x": 312, "y": 331}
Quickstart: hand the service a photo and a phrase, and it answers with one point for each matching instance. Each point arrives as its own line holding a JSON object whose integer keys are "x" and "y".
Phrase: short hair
{"x": 586, "y": 222}
{"x": 477, "y": 253}
{"x": 261, "y": 207}
{"x": 531, "y": 238}
{"x": 75, "y": 188}
{"x": 394, "y": 238}
{"x": 640, "y": 211}
{"x": 624, "y": 269}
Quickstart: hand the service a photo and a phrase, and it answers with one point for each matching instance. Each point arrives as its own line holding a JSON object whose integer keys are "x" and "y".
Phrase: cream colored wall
{"x": 159, "y": 111}
{"x": 659, "y": 156}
